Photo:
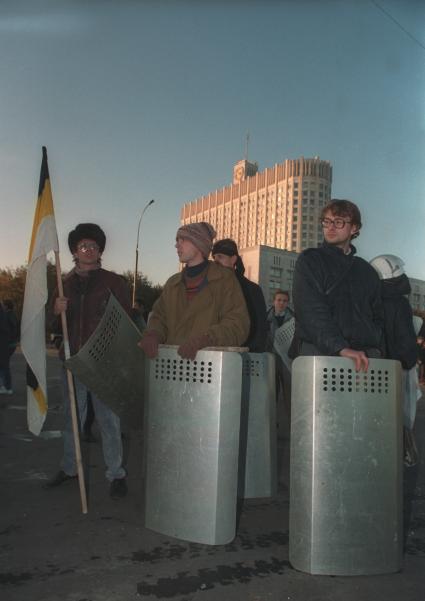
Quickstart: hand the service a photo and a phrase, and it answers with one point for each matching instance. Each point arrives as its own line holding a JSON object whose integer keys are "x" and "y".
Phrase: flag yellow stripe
{"x": 43, "y": 209}
{"x": 41, "y": 400}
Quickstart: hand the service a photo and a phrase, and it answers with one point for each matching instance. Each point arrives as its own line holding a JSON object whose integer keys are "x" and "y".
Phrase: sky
{"x": 140, "y": 100}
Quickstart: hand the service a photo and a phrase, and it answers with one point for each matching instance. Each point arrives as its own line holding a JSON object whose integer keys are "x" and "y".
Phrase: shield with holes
{"x": 192, "y": 420}
{"x": 257, "y": 473}
{"x": 112, "y": 366}
{"x": 346, "y": 467}
{"x": 282, "y": 341}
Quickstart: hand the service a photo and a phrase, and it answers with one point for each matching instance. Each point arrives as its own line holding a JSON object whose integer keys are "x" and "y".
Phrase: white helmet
{"x": 388, "y": 266}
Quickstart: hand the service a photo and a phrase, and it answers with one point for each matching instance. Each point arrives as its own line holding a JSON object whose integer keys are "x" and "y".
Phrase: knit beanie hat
{"x": 228, "y": 247}
{"x": 89, "y": 231}
{"x": 200, "y": 234}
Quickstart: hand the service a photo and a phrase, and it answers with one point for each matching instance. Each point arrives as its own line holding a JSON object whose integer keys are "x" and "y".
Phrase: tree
{"x": 145, "y": 291}
{"x": 12, "y": 285}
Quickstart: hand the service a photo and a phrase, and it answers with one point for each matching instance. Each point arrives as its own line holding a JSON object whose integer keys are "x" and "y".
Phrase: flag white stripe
{"x": 33, "y": 341}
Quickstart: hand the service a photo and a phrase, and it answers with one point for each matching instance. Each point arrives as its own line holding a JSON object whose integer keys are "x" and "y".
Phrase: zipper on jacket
{"x": 81, "y": 322}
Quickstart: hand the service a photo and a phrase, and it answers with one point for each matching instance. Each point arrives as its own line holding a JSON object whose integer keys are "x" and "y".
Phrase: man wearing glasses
{"x": 86, "y": 292}
{"x": 336, "y": 295}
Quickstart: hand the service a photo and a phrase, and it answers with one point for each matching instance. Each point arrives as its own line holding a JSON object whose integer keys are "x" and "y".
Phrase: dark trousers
{"x": 5, "y": 373}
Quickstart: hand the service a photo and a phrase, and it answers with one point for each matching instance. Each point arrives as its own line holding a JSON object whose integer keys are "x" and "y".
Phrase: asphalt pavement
{"x": 50, "y": 551}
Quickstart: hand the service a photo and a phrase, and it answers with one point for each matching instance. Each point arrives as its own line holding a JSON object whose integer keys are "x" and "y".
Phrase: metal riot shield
{"x": 346, "y": 467}
{"x": 192, "y": 417}
{"x": 282, "y": 341}
{"x": 258, "y": 445}
{"x": 112, "y": 366}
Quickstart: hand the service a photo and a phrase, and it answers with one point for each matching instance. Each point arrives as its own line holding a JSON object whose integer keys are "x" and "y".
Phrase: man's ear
{"x": 354, "y": 230}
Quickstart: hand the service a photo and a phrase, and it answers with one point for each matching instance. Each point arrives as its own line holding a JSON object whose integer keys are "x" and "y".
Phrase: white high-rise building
{"x": 279, "y": 207}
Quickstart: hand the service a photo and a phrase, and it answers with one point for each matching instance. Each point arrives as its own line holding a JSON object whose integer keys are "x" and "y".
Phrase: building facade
{"x": 279, "y": 207}
{"x": 271, "y": 268}
{"x": 417, "y": 296}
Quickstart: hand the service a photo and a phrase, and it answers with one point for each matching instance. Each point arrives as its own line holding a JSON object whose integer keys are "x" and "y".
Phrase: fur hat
{"x": 88, "y": 231}
{"x": 200, "y": 234}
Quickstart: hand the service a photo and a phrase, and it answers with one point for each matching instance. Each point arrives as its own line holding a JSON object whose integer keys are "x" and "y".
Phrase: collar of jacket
{"x": 91, "y": 274}
{"x": 331, "y": 249}
{"x": 394, "y": 287}
{"x": 214, "y": 272}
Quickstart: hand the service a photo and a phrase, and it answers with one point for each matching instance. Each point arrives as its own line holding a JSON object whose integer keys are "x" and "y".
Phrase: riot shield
{"x": 112, "y": 366}
{"x": 282, "y": 341}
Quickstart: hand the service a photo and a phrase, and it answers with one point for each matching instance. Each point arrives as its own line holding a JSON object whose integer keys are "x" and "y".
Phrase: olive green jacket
{"x": 218, "y": 310}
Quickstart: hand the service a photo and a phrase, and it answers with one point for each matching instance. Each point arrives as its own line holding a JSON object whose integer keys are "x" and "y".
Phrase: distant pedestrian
{"x": 12, "y": 339}
{"x": 420, "y": 343}
{"x": 279, "y": 314}
{"x": 137, "y": 313}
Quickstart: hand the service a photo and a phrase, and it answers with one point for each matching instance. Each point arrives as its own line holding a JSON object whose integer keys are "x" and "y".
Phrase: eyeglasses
{"x": 84, "y": 247}
{"x": 338, "y": 223}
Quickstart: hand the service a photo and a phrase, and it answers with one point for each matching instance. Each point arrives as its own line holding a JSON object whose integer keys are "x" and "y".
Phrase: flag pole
{"x": 71, "y": 390}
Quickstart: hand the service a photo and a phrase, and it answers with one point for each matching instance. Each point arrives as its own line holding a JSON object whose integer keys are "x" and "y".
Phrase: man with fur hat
{"x": 201, "y": 306}
{"x": 86, "y": 293}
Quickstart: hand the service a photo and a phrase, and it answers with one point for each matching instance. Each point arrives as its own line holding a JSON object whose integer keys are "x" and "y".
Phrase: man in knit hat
{"x": 225, "y": 252}
{"x": 86, "y": 292}
{"x": 201, "y": 306}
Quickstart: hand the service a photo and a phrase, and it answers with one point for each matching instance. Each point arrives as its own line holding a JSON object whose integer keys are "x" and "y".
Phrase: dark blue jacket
{"x": 400, "y": 337}
{"x": 337, "y": 301}
{"x": 256, "y": 305}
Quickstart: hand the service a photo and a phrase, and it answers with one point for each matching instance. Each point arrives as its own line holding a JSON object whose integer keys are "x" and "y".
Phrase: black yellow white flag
{"x": 44, "y": 240}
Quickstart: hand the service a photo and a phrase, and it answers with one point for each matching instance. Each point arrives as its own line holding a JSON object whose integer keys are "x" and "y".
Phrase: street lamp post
{"x": 137, "y": 250}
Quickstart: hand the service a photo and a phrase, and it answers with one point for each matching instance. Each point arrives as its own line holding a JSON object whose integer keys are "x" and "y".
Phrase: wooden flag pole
{"x": 71, "y": 390}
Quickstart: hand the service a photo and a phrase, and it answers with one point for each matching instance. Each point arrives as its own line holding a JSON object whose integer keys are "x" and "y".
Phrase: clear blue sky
{"x": 138, "y": 100}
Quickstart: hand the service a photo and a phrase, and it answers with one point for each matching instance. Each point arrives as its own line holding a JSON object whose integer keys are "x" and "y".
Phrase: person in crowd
{"x": 420, "y": 343}
{"x": 137, "y": 312}
{"x": 4, "y": 343}
{"x": 279, "y": 314}
{"x": 86, "y": 292}
{"x": 199, "y": 307}
{"x": 399, "y": 332}
{"x": 400, "y": 345}
{"x": 337, "y": 295}
{"x": 12, "y": 340}
{"x": 400, "y": 339}
{"x": 225, "y": 252}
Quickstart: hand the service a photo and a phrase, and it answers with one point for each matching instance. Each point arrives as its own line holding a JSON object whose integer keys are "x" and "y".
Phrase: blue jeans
{"x": 109, "y": 426}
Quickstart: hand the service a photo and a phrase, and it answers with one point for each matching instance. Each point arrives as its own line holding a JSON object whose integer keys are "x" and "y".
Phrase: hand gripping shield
{"x": 112, "y": 366}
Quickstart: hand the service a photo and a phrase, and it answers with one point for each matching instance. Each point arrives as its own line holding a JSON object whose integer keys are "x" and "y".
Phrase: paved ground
{"x": 50, "y": 551}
